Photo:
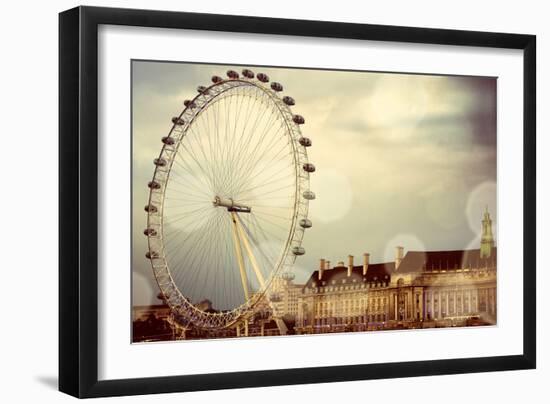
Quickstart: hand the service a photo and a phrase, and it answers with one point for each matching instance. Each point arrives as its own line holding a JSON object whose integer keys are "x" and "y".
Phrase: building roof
{"x": 419, "y": 261}
{"x": 376, "y": 272}
{"x": 414, "y": 261}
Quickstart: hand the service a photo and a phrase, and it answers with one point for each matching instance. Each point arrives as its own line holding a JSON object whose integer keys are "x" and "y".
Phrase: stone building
{"x": 417, "y": 290}
{"x": 284, "y": 295}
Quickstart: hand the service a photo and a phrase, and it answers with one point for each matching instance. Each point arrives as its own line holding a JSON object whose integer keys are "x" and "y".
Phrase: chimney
{"x": 398, "y": 256}
{"x": 321, "y": 268}
{"x": 328, "y": 264}
{"x": 350, "y": 264}
{"x": 366, "y": 257}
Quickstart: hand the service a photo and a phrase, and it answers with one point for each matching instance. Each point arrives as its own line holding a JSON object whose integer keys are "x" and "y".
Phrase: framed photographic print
{"x": 240, "y": 194}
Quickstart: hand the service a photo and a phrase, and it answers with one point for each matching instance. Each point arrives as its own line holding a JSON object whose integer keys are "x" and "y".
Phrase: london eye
{"x": 228, "y": 200}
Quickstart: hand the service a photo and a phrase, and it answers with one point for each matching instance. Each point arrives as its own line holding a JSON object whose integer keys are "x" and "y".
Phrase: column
{"x": 421, "y": 302}
{"x": 438, "y": 311}
{"x": 433, "y": 308}
{"x": 455, "y": 307}
{"x": 411, "y": 313}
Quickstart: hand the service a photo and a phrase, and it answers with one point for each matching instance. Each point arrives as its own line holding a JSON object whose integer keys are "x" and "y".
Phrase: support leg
{"x": 239, "y": 254}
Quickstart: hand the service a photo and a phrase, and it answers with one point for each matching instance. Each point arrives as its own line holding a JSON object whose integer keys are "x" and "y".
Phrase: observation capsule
{"x": 298, "y": 119}
{"x": 150, "y": 208}
{"x": 202, "y": 90}
{"x": 305, "y": 141}
{"x": 288, "y": 276}
{"x": 306, "y": 223}
{"x": 264, "y": 78}
{"x": 151, "y": 255}
{"x": 177, "y": 121}
{"x": 168, "y": 140}
{"x": 189, "y": 104}
{"x": 150, "y": 232}
{"x": 153, "y": 185}
{"x": 298, "y": 250}
{"x": 160, "y": 162}
{"x": 232, "y": 74}
{"x": 309, "y": 167}
{"x": 249, "y": 74}
{"x": 216, "y": 79}
{"x": 288, "y": 100}
{"x": 309, "y": 195}
{"x": 276, "y": 86}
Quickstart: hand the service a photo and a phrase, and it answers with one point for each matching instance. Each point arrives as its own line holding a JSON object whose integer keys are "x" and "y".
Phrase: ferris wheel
{"x": 228, "y": 201}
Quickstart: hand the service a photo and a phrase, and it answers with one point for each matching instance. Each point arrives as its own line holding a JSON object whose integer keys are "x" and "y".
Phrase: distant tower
{"x": 487, "y": 240}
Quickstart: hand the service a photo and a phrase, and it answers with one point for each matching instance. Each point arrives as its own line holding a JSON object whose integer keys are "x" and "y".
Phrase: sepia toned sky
{"x": 401, "y": 159}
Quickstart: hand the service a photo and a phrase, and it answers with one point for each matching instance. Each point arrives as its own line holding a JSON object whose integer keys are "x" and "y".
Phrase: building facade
{"x": 421, "y": 289}
{"x": 285, "y": 295}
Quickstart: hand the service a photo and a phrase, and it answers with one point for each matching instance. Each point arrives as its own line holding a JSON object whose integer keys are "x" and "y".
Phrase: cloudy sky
{"x": 401, "y": 159}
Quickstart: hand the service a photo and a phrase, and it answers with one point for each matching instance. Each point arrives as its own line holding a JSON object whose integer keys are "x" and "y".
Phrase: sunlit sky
{"x": 401, "y": 159}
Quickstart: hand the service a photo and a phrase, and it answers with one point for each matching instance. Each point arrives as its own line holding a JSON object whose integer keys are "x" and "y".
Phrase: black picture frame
{"x": 78, "y": 200}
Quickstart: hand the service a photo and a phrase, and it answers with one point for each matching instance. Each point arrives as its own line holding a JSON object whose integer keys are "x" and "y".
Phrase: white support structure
{"x": 239, "y": 253}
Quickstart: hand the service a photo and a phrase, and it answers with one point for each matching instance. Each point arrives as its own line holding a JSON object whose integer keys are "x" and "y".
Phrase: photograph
{"x": 286, "y": 201}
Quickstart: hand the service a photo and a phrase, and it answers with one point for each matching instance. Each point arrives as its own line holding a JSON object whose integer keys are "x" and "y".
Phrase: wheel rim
{"x": 236, "y": 145}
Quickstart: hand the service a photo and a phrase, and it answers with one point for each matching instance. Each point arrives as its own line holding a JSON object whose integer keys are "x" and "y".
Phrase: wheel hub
{"x": 231, "y": 205}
